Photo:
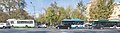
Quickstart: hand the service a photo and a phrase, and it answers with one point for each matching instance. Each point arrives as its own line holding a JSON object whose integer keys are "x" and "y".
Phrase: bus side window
{"x": 30, "y": 22}
{"x": 12, "y": 22}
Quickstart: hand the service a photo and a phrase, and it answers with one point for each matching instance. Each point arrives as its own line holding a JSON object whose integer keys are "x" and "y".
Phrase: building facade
{"x": 116, "y": 11}
{"x": 114, "y": 15}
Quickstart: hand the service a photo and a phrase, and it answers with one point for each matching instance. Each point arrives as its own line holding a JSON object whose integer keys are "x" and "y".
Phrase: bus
{"x": 71, "y": 23}
{"x": 21, "y": 23}
{"x": 108, "y": 23}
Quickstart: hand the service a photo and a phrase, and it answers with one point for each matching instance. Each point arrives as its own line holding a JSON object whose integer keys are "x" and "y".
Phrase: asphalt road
{"x": 49, "y": 30}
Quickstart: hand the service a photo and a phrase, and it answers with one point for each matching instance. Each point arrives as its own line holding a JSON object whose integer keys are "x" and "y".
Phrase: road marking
{"x": 64, "y": 32}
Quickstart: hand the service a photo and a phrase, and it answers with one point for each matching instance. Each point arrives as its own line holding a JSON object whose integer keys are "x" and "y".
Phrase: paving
{"x": 50, "y": 30}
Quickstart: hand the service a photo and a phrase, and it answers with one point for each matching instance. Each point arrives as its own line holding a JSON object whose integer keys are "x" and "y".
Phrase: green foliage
{"x": 54, "y": 14}
{"x": 81, "y": 10}
{"x": 19, "y": 14}
{"x": 102, "y": 9}
{"x": 7, "y": 5}
{"x": 69, "y": 12}
{"x": 14, "y": 9}
{"x": 3, "y": 16}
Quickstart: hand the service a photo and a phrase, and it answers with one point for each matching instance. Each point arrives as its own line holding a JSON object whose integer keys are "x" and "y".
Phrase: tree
{"x": 69, "y": 11}
{"x": 62, "y": 13}
{"x": 9, "y": 5}
{"x": 102, "y": 9}
{"x": 76, "y": 13}
{"x": 53, "y": 15}
{"x": 17, "y": 14}
{"x": 80, "y": 11}
{"x": 13, "y": 9}
{"x": 41, "y": 19}
{"x": 3, "y": 17}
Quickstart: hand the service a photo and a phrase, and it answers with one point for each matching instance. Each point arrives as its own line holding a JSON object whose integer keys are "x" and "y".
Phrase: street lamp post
{"x": 34, "y": 9}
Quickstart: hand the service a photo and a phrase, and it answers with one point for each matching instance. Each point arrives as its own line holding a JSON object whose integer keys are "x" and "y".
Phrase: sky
{"x": 39, "y": 5}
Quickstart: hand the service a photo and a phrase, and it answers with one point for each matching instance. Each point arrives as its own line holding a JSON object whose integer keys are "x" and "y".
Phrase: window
{"x": 7, "y": 23}
{"x": 73, "y": 22}
{"x": 118, "y": 24}
{"x": 119, "y": 15}
{"x": 24, "y": 22}
{"x": 108, "y": 24}
{"x": 1, "y": 24}
{"x": 12, "y": 22}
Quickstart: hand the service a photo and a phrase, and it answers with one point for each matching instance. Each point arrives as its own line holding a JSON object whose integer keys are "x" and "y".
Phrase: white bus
{"x": 21, "y": 23}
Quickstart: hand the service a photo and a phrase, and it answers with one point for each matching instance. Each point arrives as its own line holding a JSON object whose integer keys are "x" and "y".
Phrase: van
{"x": 4, "y": 25}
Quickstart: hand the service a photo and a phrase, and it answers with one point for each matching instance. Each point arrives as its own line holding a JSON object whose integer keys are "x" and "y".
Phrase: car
{"x": 4, "y": 25}
{"x": 42, "y": 26}
{"x": 98, "y": 26}
{"x": 118, "y": 28}
{"x": 63, "y": 26}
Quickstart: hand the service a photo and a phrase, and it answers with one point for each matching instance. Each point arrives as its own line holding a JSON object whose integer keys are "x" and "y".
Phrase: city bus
{"x": 71, "y": 23}
{"x": 108, "y": 23}
{"x": 21, "y": 23}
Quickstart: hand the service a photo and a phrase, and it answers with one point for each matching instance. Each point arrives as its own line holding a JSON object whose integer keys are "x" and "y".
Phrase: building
{"x": 114, "y": 15}
{"x": 116, "y": 11}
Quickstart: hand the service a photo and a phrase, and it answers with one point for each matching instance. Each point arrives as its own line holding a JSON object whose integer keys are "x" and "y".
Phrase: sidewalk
{"x": 51, "y": 27}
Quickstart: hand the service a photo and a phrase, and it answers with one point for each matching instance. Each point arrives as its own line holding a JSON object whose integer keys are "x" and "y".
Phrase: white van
{"x": 4, "y": 25}
{"x": 21, "y": 23}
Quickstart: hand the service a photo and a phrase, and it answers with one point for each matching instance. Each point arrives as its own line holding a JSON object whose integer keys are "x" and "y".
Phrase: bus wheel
{"x": 76, "y": 27}
{"x": 4, "y": 27}
{"x": 26, "y": 26}
{"x": 68, "y": 28}
{"x": 101, "y": 28}
{"x": 12, "y": 26}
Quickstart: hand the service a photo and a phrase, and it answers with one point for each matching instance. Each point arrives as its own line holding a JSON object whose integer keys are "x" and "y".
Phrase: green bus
{"x": 108, "y": 23}
{"x": 71, "y": 24}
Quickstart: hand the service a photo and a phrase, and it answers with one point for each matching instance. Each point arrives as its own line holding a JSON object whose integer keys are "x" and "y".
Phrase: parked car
{"x": 4, "y": 25}
{"x": 98, "y": 26}
{"x": 118, "y": 29}
{"x": 63, "y": 26}
{"x": 42, "y": 26}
